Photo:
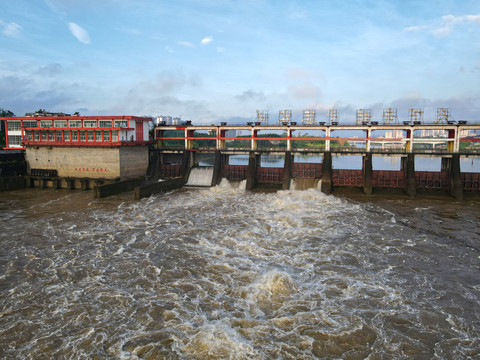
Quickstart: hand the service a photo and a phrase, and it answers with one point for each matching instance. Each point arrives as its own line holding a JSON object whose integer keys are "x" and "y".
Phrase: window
{"x": 45, "y": 123}
{"x": 59, "y": 135}
{"x": 75, "y": 123}
{"x": 66, "y": 135}
{"x": 14, "y": 140}
{"x": 105, "y": 123}
{"x": 90, "y": 135}
{"x": 74, "y": 136}
{"x": 29, "y": 135}
{"x": 106, "y": 136}
{"x": 29, "y": 123}
{"x": 36, "y": 135}
{"x": 60, "y": 123}
{"x": 82, "y": 135}
{"x": 44, "y": 136}
{"x": 98, "y": 136}
{"x": 115, "y": 135}
{"x": 13, "y": 125}
{"x": 121, "y": 123}
{"x": 51, "y": 135}
{"x": 90, "y": 123}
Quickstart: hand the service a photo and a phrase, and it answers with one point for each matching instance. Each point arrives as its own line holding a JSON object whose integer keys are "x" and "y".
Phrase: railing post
{"x": 327, "y": 141}
{"x": 220, "y": 139}
{"x": 367, "y": 143}
{"x": 254, "y": 144}
{"x": 289, "y": 141}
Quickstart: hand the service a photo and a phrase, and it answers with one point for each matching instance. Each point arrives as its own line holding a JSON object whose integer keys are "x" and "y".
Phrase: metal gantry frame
{"x": 309, "y": 117}
{"x": 416, "y": 116}
{"x": 332, "y": 116}
{"x": 390, "y": 116}
{"x": 364, "y": 116}
{"x": 262, "y": 117}
{"x": 284, "y": 117}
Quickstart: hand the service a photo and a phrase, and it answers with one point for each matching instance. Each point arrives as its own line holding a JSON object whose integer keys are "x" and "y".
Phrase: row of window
{"x": 81, "y": 135}
{"x": 16, "y": 124}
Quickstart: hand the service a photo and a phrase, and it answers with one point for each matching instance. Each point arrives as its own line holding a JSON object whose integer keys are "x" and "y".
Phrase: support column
{"x": 43, "y": 183}
{"x": 287, "y": 171}
{"x": 56, "y": 183}
{"x": 254, "y": 143}
{"x": 85, "y": 184}
{"x": 327, "y": 137}
{"x": 186, "y": 165}
{"x": 408, "y": 167}
{"x": 456, "y": 186}
{"x": 368, "y": 142}
{"x": 289, "y": 141}
{"x": 367, "y": 173}
{"x": 327, "y": 173}
{"x": 253, "y": 161}
{"x": 70, "y": 184}
{"x": 217, "y": 168}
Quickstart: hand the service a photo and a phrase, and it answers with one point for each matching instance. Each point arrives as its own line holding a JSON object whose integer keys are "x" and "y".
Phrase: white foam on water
{"x": 218, "y": 340}
{"x": 225, "y": 273}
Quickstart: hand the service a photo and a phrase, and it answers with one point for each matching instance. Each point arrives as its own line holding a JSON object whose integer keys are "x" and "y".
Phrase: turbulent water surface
{"x": 222, "y": 273}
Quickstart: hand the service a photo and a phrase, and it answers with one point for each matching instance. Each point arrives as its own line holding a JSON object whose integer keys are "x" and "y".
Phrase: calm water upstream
{"x": 222, "y": 273}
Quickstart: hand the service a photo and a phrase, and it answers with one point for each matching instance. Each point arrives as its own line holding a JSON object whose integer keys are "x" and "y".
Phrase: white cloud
{"x": 80, "y": 33}
{"x": 449, "y": 21}
{"x": 415, "y": 28}
{"x": 207, "y": 40}
{"x": 168, "y": 49}
{"x": 185, "y": 43}
{"x": 447, "y": 24}
{"x": 10, "y": 29}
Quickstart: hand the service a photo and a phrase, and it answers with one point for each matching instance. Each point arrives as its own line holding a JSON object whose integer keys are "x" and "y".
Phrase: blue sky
{"x": 219, "y": 60}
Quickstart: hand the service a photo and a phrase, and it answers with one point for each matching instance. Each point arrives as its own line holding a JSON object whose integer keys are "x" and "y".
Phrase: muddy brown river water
{"x": 222, "y": 273}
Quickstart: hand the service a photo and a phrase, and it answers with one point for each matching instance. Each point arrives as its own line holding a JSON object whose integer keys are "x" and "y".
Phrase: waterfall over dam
{"x": 201, "y": 176}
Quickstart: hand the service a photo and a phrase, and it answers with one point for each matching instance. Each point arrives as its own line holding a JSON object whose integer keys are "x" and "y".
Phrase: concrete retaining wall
{"x": 90, "y": 162}
{"x": 101, "y": 191}
{"x": 159, "y": 187}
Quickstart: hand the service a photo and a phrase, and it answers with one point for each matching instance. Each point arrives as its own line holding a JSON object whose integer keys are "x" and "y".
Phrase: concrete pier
{"x": 367, "y": 173}
{"x": 253, "y": 162}
{"x": 408, "y": 166}
{"x": 287, "y": 171}
{"x": 455, "y": 180}
{"x": 327, "y": 173}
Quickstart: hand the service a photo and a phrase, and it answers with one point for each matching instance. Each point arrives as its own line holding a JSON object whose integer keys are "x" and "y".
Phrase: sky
{"x": 211, "y": 61}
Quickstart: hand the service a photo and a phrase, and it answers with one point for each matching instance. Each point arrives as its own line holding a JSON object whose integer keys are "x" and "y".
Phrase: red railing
{"x": 83, "y": 143}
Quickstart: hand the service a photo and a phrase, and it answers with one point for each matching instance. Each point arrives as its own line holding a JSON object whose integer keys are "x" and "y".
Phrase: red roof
{"x": 74, "y": 117}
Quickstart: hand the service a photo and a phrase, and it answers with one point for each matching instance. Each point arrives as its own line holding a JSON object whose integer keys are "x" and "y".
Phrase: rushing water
{"x": 221, "y": 273}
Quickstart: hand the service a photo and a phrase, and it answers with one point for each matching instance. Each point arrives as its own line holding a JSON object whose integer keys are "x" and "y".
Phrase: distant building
{"x": 81, "y": 146}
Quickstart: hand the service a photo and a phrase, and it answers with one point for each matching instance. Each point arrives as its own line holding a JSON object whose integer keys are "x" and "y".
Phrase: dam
{"x": 178, "y": 149}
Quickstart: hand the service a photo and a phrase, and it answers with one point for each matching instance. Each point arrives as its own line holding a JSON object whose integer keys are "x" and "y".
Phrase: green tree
{"x": 4, "y": 113}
